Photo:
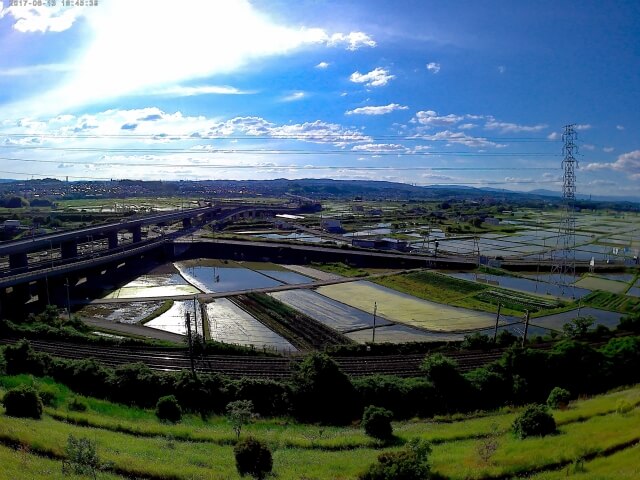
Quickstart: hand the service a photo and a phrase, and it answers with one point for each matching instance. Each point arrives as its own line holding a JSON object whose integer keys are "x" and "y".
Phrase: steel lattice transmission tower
{"x": 563, "y": 267}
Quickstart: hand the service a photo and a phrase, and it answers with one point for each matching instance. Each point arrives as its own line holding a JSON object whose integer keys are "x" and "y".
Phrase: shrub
{"x": 82, "y": 457}
{"x": 558, "y": 398}
{"x": 168, "y": 409}
{"x": 534, "y": 421}
{"x": 630, "y": 323}
{"x": 411, "y": 463}
{"x": 377, "y": 422}
{"x": 23, "y": 401}
{"x": 239, "y": 413}
{"x": 21, "y": 358}
{"x": 252, "y": 458}
{"x": 322, "y": 392}
{"x": 476, "y": 341}
{"x": 78, "y": 405}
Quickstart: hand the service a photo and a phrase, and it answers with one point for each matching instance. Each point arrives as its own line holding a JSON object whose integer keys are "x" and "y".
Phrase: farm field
{"x": 596, "y": 283}
{"x": 166, "y": 285}
{"x": 136, "y": 443}
{"x": 406, "y": 309}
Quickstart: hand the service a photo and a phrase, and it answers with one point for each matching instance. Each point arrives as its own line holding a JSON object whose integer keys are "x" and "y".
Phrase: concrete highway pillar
{"x": 112, "y": 238}
{"x": 186, "y": 222}
{"x": 18, "y": 260}
{"x": 136, "y": 231}
{"x": 69, "y": 249}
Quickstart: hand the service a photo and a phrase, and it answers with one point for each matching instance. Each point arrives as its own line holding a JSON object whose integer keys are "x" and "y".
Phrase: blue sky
{"x": 425, "y": 92}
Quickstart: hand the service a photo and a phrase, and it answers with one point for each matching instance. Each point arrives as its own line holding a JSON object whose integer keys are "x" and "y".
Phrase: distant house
{"x": 381, "y": 243}
{"x": 332, "y": 226}
{"x": 11, "y": 224}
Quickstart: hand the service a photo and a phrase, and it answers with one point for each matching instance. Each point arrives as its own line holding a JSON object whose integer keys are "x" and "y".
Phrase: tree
{"x": 558, "y": 398}
{"x": 411, "y": 463}
{"x": 322, "y": 392}
{"x": 535, "y": 421}
{"x": 377, "y": 422}
{"x": 168, "y": 409}
{"x": 578, "y": 327}
{"x": 239, "y": 414}
{"x": 23, "y": 401}
{"x": 253, "y": 458}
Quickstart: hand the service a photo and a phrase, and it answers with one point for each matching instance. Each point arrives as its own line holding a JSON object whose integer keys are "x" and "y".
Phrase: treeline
{"x": 319, "y": 391}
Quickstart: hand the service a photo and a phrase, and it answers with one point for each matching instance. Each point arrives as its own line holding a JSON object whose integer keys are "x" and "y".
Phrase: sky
{"x": 424, "y": 92}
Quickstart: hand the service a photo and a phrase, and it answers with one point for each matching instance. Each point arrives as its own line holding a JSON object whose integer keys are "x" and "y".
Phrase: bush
{"x": 377, "y": 422}
{"x": 411, "y": 463}
{"x": 21, "y": 358}
{"x": 82, "y": 457}
{"x": 252, "y": 458}
{"x": 169, "y": 409}
{"x": 78, "y": 405}
{"x": 623, "y": 406}
{"x": 558, "y": 398}
{"x": 534, "y": 421}
{"x": 23, "y": 401}
{"x": 322, "y": 392}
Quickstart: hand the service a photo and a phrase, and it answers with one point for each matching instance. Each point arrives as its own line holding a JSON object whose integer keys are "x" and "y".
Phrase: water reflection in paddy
{"x": 163, "y": 285}
{"x": 230, "y": 324}
{"x": 224, "y": 279}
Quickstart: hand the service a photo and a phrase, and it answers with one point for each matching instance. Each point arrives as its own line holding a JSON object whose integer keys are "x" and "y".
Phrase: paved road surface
{"x": 134, "y": 329}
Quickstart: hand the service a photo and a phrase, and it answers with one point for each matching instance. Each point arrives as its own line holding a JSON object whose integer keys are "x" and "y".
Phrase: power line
{"x": 231, "y": 151}
{"x": 270, "y": 167}
{"x": 352, "y": 135}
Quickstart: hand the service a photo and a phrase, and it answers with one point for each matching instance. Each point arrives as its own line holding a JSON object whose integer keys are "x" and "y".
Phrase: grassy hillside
{"x": 594, "y": 438}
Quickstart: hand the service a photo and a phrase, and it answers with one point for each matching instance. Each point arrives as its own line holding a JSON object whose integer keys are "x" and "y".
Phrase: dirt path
{"x": 133, "y": 329}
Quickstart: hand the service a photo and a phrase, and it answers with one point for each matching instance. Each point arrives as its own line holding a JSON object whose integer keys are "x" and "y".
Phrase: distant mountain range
{"x": 327, "y": 188}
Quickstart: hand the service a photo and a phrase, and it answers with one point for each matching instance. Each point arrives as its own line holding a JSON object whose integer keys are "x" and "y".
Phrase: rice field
{"x": 334, "y": 314}
{"x": 166, "y": 285}
{"x": 402, "y": 308}
{"x": 596, "y": 283}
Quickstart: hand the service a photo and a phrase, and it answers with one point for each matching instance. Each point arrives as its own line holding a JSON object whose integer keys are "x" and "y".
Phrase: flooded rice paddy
{"x": 524, "y": 285}
{"x": 403, "y": 308}
{"x": 334, "y": 314}
{"x": 230, "y": 324}
{"x": 161, "y": 285}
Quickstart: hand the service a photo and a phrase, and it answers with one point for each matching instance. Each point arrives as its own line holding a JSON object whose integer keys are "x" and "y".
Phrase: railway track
{"x": 171, "y": 360}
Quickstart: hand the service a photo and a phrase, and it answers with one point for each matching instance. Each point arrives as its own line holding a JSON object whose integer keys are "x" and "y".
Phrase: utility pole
{"x": 526, "y": 328}
{"x": 195, "y": 314}
{"x": 375, "y": 310}
{"x": 495, "y": 331}
{"x": 189, "y": 339}
{"x": 68, "y": 299}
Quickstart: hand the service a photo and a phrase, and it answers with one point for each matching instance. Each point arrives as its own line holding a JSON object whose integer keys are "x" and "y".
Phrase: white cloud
{"x": 431, "y": 118}
{"x": 460, "y": 138}
{"x": 180, "y": 91}
{"x": 627, "y": 163}
{"x": 501, "y": 69}
{"x": 553, "y": 136}
{"x": 620, "y": 127}
{"x": 583, "y": 126}
{"x": 467, "y": 126}
{"x": 43, "y": 19}
{"x": 433, "y": 67}
{"x": 506, "y": 127}
{"x": 381, "y": 110}
{"x": 322, "y": 65}
{"x": 167, "y": 48}
{"x": 588, "y": 146}
{"x": 608, "y": 149}
{"x": 375, "y": 78}
{"x": 380, "y": 147}
{"x": 35, "y": 70}
{"x": 353, "y": 40}
{"x": 294, "y": 96}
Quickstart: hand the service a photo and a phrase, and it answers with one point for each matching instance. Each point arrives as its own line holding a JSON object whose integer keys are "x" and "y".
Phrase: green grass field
{"x": 135, "y": 443}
